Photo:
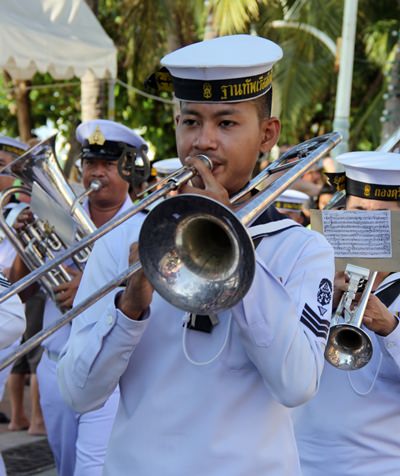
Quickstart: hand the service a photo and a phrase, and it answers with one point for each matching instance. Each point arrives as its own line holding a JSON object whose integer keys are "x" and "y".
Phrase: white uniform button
{"x": 110, "y": 320}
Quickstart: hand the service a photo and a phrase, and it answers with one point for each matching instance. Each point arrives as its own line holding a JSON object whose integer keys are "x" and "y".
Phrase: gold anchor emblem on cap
{"x": 207, "y": 90}
{"x": 367, "y": 190}
{"x": 96, "y": 137}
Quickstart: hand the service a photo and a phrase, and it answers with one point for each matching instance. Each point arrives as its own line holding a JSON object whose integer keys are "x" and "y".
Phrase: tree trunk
{"x": 23, "y": 110}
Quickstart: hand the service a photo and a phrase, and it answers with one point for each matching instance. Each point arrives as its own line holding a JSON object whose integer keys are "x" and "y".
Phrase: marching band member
{"x": 12, "y": 326}
{"x": 79, "y": 440}
{"x": 291, "y": 203}
{"x": 352, "y": 425}
{"x": 208, "y": 394}
{"x": 10, "y": 149}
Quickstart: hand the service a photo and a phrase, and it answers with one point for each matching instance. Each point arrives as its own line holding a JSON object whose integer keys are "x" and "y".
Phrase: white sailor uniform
{"x": 7, "y": 256}
{"x": 12, "y": 326}
{"x": 12, "y": 316}
{"x": 177, "y": 416}
{"x": 78, "y": 440}
{"x": 360, "y": 411}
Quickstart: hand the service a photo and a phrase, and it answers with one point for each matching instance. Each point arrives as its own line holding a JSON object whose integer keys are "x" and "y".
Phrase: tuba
{"x": 59, "y": 217}
{"x": 349, "y": 347}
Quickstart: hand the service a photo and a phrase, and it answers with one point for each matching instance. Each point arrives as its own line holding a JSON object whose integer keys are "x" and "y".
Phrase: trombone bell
{"x": 201, "y": 259}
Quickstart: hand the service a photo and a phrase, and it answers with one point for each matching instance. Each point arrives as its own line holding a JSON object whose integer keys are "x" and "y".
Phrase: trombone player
{"x": 352, "y": 425}
{"x": 208, "y": 394}
{"x": 79, "y": 440}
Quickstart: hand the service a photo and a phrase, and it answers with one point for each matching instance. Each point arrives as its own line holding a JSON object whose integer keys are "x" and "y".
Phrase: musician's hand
{"x": 23, "y": 219}
{"x": 205, "y": 183}
{"x": 340, "y": 285}
{"x": 137, "y": 296}
{"x": 378, "y": 318}
{"x": 66, "y": 292}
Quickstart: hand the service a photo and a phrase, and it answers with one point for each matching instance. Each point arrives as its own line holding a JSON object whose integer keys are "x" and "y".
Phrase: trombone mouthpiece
{"x": 206, "y": 160}
{"x": 95, "y": 185}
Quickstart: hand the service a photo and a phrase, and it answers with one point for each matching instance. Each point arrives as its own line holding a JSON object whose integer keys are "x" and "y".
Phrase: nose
{"x": 206, "y": 138}
{"x": 98, "y": 169}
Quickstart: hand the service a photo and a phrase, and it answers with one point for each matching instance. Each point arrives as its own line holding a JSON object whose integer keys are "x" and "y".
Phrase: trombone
{"x": 221, "y": 286}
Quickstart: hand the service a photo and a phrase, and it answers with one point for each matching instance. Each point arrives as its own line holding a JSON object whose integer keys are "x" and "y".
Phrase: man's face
{"x": 114, "y": 188}
{"x": 358, "y": 203}
{"x": 5, "y": 159}
{"x": 231, "y": 135}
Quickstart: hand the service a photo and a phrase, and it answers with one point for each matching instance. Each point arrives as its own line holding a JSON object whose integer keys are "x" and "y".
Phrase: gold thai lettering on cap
{"x": 245, "y": 87}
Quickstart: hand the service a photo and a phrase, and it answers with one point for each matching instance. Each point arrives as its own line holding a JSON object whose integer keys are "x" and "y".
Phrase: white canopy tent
{"x": 61, "y": 37}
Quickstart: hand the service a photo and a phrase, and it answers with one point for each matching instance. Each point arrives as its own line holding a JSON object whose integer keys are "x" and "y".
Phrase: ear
{"x": 177, "y": 117}
{"x": 270, "y": 129}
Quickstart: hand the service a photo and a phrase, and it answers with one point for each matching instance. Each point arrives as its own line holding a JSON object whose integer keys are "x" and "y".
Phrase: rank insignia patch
{"x": 324, "y": 295}
{"x": 315, "y": 323}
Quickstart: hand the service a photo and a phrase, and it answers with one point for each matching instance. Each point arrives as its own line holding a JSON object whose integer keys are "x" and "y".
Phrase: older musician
{"x": 352, "y": 425}
{"x": 79, "y": 440}
{"x": 208, "y": 394}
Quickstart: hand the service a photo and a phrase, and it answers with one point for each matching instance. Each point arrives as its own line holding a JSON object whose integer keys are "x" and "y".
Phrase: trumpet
{"x": 221, "y": 270}
{"x": 349, "y": 347}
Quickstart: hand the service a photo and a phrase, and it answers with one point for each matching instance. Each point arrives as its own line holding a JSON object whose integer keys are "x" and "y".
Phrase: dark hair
{"x": 264, "y": 105}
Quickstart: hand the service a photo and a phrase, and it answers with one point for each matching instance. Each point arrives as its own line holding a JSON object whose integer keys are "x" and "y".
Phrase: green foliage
{"x": 305, "y": 80}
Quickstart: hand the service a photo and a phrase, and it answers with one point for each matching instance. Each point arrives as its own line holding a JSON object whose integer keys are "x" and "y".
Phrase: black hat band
{"x": 11, "y": 149}
{"x": 228, "y": 90}
{"x": 289, "y": 206}
{"x": 370, "y": 191}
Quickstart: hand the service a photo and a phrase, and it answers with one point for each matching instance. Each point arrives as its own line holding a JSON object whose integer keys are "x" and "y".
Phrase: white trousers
{"x": 78, "y": 440}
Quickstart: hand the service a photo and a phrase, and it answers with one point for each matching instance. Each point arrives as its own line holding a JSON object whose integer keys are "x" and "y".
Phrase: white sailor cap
{"x": 12, "y": 146}
{"x": 107, "y": 139}
{"x": 225, "y": 69}
{"x": 167, "y": 166}
{"x": 291, "y": 200}
{"x": 373, "y": 175}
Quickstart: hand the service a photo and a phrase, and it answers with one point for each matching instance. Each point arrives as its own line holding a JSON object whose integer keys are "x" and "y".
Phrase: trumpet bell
{"x": 349, "y": 347}
{"x": 194, "y": 261}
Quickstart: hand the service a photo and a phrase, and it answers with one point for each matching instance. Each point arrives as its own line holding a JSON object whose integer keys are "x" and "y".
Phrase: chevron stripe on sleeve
{"x": 317, "y": 325}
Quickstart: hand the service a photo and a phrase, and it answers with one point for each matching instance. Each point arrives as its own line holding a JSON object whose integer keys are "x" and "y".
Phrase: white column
{"x": 341, "y": 121}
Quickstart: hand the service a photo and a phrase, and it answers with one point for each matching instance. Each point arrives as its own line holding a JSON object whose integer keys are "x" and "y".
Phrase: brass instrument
{"x": 349, "y": 347}
{"x": 219, "y": 282}
{"x": 38, "y": 241}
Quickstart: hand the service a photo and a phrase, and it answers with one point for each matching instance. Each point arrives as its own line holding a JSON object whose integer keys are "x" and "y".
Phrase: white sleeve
{"x": 101, "y": 337}
{"x": 284, "y": 320}
{"x": 12, "y": 317}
